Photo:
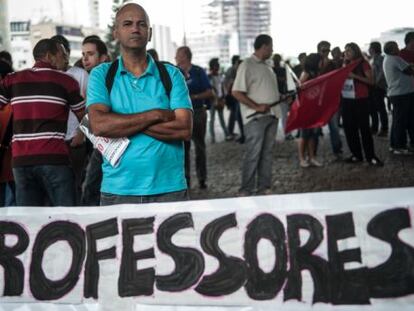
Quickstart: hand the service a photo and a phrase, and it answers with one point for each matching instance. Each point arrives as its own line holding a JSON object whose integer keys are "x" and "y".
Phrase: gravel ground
{"x": 224, "y": 162}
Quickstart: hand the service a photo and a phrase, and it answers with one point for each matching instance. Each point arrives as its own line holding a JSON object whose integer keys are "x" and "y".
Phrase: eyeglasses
{"x": 326, "y": 50}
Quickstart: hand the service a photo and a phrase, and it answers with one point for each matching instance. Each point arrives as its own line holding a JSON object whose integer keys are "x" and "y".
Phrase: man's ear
{"x": 103, "y": 58}
{"x": 49, "y": 58}
{"x": 150, "y": 35}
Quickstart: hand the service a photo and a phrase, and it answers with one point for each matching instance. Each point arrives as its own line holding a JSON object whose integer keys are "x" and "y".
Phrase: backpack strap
{"x": 165, "y": 77}
{"x": 110, "y": 75}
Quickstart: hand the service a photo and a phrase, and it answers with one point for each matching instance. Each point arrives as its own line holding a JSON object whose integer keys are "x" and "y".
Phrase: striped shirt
{"x": 40, "y": 98}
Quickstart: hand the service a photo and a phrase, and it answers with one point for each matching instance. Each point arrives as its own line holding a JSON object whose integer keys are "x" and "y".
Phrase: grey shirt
{"x": 378, "y": 72}
{"x": 398, "y": 82}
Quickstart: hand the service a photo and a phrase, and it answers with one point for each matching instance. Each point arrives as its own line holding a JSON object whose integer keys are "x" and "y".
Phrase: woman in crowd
{"x": 356, "y": 108}
{"x": 308, "y": 137}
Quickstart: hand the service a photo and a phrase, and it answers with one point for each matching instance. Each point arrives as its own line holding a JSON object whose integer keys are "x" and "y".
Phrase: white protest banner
{"x": 350, "y": 250}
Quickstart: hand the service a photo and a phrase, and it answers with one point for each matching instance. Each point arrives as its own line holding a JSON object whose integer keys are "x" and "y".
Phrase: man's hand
{"x": 163, "y": 115}
{"x": 262, "y": 108}
{"x": 105, "y": 123}
{"x": 78, "y": 139}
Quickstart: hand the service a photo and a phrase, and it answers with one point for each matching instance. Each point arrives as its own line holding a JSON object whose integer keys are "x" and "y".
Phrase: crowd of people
{"x": 161, "y": 109}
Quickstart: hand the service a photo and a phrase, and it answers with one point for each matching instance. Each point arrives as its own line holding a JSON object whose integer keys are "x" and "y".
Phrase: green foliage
{"x": 113, "y": 46}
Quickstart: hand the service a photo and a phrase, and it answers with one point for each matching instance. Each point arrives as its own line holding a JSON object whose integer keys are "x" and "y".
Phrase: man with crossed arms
{"x": 152, "y": 167}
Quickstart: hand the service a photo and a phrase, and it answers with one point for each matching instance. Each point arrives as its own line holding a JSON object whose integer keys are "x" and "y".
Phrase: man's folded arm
{"x": 178, "y": 129}
{"x": 113, "y": 125}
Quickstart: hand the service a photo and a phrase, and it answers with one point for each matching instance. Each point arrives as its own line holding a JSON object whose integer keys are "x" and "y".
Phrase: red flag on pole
{"x": 318, "y": 100}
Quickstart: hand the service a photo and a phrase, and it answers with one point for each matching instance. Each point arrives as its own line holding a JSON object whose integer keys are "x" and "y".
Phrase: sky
{"x": 297, "y": 25}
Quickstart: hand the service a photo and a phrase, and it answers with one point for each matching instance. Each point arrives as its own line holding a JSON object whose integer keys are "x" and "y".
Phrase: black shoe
{"x": 352, "y": 159}
{"x": 289, "y": 137}
{"x": 202, "y": 184}
{"x": 375, "y": 162}
{"x": 240, "y": 140}
{"x": 382, "y": 133}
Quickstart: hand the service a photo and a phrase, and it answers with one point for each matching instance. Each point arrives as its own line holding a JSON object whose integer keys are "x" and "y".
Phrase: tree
{"x": 113, "y": 46}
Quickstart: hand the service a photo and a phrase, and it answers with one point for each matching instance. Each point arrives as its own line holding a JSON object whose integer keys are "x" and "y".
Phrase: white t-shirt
{"x": 80, "y": 75}
{"x": 257, "y": 79}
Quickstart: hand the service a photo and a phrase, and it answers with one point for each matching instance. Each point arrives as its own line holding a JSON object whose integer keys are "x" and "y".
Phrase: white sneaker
{"x": 304, "y": 163}
{"x": 315, "y": 162}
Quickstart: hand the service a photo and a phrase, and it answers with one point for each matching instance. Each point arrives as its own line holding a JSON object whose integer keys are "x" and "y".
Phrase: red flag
{"x": 318, "y": 100}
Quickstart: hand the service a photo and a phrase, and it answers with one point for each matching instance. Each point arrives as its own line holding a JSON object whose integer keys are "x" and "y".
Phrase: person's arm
{"x": 367, "y": 79}
{"x": 244, "y": 99}
{"x": 113, "y": 125}
{"x": 207, "y": 94}
{"x": 409, "y": 70}
{"x": 178, "y": 129}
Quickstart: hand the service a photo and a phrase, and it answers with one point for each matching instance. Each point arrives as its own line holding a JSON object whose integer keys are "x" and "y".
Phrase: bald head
{"x": 128, "y": 7}
{"x": 132, "y": 29}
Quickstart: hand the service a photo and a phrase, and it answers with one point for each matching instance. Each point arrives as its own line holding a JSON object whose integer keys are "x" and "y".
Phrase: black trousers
{"x": 378, "y": 109}
{"x": 199, "y": 135}
{"x": 402, "y": 120}
{"x": 355, "y": 115}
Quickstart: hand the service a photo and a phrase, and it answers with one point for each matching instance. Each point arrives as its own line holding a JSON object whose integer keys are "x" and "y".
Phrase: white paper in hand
{"x": 112, "y": 149}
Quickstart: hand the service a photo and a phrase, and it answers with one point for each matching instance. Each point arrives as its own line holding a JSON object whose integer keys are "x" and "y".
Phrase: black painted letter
{"x": 95, "y": 232}
{"x": 261, "y": 285}
{"x": 348, "y": 286}
{"x": 133, "y": 282}
{"x": 13, "y": 267}
{"x": 232, "y": 272}
{"x": 41, "y": 287}
{"x": 395, "y": 277}
{"x": 189, "y": 262}
{"x": 301, "y": 258}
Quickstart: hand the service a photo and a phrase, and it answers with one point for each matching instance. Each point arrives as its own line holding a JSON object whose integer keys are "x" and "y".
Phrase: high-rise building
{"x": 162, "y": 42}
{"x": 94, "y": 11}
{"x": 229, "y": 27}
{"x": 68, "y": 12}
{"x": 21, "y": 46}
{"x": 4, "y": 26}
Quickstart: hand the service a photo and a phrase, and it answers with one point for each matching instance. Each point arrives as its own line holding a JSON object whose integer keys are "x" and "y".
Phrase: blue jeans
{"x": 37, "y": 182}
{"x": 336, "y": 142}
{"x": 7, "y": 194}
{"x": 113, "y": 199}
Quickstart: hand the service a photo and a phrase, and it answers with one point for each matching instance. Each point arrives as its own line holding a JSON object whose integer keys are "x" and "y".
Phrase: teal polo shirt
{"x": 148, "y": 166}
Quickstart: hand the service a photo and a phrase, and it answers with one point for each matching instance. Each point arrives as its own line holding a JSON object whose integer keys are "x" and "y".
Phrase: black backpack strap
{"x": 110, "y": 75}
{"x": 165, "y": 77}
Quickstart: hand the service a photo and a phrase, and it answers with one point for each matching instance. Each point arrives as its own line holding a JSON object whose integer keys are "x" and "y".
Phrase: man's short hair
{"x": 376, "y": 47}
{"x": 62, "y": 40}
{"x": 262, "y": 40}
{"x": 91, "y": 37}
{"x": 100, "y": 45}
{"x": 6, "y": 56}
{"x": 389, "y": 47}
{"x": 43, "y": 47}
{"x": 235, "y": 59}
{"x": 187, "y": 51}
{"x": 408, "y": 37}
{"x": 213, "y": 62}
{"x": 301, "y": 55}
{"x": 322, "y": 44}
